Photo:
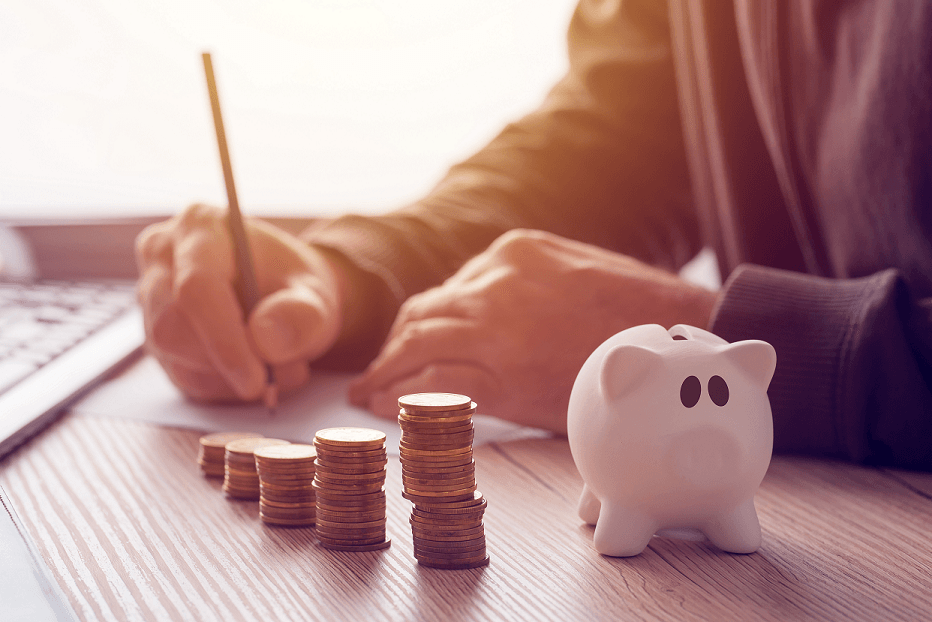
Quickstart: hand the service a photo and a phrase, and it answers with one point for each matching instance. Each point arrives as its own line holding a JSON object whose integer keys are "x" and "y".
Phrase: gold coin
{"x": 431, "y": 402}
{"x": 349, "y": 437}
{"x": 218, "y": 440}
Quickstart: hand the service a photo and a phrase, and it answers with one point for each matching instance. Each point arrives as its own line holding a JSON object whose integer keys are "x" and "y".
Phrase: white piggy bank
{"x": 672, "y": 433}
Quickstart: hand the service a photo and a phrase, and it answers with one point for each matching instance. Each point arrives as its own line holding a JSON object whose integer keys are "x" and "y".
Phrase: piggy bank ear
{"x": 757, "y": 358}
{"x": 624, "y": 368}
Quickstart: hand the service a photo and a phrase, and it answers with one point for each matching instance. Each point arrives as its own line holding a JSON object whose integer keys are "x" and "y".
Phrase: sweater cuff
{"x": 816, "y": 327}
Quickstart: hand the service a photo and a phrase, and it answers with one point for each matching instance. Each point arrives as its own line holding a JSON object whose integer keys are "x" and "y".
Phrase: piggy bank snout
{"x": 705, "y": 456}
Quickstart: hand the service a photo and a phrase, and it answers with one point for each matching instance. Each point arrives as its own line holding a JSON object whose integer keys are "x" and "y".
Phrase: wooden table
{"x": 132, "y": 531}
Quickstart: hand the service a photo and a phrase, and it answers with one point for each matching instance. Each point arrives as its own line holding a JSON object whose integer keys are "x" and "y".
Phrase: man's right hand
{"x": 194, "y": 324}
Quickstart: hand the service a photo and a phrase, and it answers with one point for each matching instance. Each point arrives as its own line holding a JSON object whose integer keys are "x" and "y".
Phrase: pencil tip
{"x": 271, "y": 399}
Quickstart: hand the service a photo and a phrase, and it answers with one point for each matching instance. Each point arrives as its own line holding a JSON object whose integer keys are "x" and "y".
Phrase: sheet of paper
{"x": 143, "y": 392}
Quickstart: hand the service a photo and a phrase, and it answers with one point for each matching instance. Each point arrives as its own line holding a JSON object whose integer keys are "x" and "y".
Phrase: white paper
{"x": 144, "y": 393}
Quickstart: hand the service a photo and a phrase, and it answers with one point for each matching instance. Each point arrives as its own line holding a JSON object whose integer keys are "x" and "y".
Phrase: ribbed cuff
{"x": 816, "y": 325}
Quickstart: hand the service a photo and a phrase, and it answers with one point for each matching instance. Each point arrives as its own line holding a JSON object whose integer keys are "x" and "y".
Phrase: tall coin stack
{"x": 286, "y": 473}
{"x": 350, "y": 487}
{"x": 212, "y": 454}
{"x": 439, "y": 477}
{"x": 241, "y": 480}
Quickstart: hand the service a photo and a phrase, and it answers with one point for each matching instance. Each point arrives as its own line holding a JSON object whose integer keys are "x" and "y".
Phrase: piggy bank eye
{"x": 718, "y": 390}
{"x": 690, "y": 391}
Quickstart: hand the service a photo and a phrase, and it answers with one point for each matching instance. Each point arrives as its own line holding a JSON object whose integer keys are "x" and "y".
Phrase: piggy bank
{"x": 672, "y": 434}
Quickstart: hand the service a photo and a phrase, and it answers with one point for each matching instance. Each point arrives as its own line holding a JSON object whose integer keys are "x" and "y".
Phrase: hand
{"x": 512, "y": 328}
{"x": 194, "y": 324}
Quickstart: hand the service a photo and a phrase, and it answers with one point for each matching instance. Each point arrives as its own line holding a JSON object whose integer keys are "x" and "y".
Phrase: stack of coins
{"x": 439, "y": 477}
{"x": 212, "y": 455}
{"x": 350, "y": 488}
{"x": 286, "y": 473}
{"x": 240, "y": 477}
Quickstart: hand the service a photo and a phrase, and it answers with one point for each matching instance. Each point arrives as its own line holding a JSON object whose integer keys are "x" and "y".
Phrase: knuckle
{"x": 190, "y": 288}
{"x": 519, "y": 245}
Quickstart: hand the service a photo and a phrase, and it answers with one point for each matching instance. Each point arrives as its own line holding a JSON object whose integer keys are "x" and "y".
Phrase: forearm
{"x": 853, "y": 362}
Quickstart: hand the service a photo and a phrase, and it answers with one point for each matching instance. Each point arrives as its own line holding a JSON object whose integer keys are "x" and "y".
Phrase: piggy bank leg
{"x": 589, "y": 506}
{"x": 622, "y": 532}
{"x": 737, "y": 531}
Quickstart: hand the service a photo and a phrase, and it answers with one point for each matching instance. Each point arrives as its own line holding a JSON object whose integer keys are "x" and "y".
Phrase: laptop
{"x": 68, "y": 317}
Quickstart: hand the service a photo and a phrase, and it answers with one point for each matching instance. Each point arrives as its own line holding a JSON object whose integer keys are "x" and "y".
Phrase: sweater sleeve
{"x": 854, "y": 362}
{"x": 601, "y": 161}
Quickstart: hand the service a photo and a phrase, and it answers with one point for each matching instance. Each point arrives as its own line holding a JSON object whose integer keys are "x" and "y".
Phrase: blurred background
{"x": 329, "y": 105}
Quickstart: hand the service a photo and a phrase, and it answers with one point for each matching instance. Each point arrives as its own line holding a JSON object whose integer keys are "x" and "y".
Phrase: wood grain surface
{"x": 132, "y": 531}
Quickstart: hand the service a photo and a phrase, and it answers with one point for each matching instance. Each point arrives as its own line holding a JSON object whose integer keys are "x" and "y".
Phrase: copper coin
{"x": 441, "y": 491}
{"x": 452, "y": 535}
{"x": 364, "y": 516}
{"x": 330, "y": 543}
{"x": 351, "y": 468}
{"x": 441, "y": 565}
{"x": 304, "y": 480}
{"x": 359, "y": 548}
{"x": 430, "y": 402}
{"x": 287, "y": 513}
{"x": 246, "y": 446}
{"x": 362, "y": 525}
{"x": 349, "y": 453}
{"x": 449, "y": 547}
{"x": 287, "y": 498}
{"x": 433, "y": 426}
{"x": 287, "y": 504}
{"x": 417, "y": 469}
{"x": 424, "y": 500}
{"x": 287, "y": 522}
{"x": 417, "y": 482}
{"x": 218, "y": 440}
{"x": 342, "y": 481}
{"x": 339, "y": 536}
{"x": 420, "y": 523}
{"x": 350, "y": 437}
{"x": 293, "y": 453}
{"x": 427, "y": 461}
{"x": 476, "y": 500}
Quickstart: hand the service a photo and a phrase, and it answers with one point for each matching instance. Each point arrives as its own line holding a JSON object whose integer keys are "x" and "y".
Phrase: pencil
{"x": 249, "y": 288}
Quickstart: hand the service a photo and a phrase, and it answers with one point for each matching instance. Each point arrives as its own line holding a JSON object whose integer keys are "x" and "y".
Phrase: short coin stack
{"x": 241, "y": 480}
{"x": 286, "y": 473}
{"x": 350, "y": 488}
{"x": 212, "y": 455}
{"x": 439, "y": 477}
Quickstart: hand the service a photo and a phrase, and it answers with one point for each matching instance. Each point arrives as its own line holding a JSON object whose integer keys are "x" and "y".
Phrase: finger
{"x": 210, "y": 305}
{"x": 417, "y": 346}
{"x": 154, "y": 245}
{"x": 465, "y": 378}
{"x": 295, "y": 323}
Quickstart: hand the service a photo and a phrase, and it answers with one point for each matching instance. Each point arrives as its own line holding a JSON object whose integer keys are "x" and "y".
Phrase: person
{"x": 795, "y": 139}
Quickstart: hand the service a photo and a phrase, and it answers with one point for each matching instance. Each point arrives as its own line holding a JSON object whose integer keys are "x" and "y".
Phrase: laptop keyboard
{"x": 42, "y": 320}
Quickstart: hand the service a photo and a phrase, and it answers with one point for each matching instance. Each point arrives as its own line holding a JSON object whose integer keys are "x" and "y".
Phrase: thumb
{"x": 294, "y": 323}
